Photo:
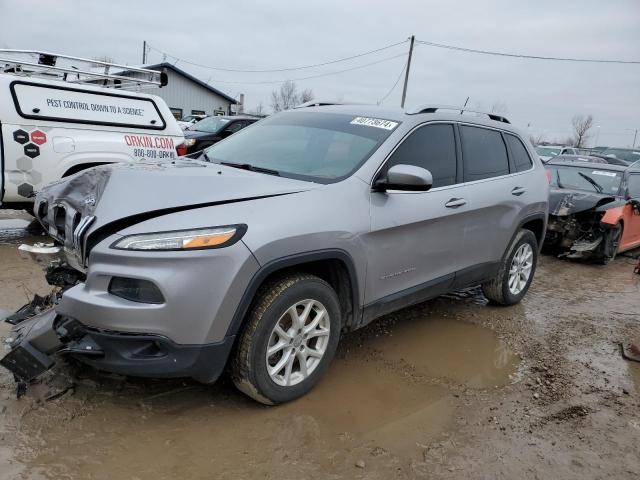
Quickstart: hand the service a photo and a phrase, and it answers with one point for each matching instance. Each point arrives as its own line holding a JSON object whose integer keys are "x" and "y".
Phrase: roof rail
{"x": 318, "y": 103}
{"x": 55, "y": 66}
{"x": 435, "y": 108}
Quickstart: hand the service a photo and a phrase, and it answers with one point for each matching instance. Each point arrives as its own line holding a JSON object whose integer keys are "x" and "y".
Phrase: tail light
{"x": 548, "y": 176}
{"x": 181, "y": 150}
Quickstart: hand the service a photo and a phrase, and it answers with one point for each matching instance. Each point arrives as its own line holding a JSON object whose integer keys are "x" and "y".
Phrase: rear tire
{"x": 516, "y": 271}
{"x": 282, "y": 321}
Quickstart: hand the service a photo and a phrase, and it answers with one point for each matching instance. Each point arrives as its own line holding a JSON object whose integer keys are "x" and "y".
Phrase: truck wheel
{"x": 290, "y": 338}
{"x": 516, "y": 271}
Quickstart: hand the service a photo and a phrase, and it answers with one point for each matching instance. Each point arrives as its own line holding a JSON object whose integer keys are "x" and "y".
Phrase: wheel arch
{"x": 335, "y": 266}
{"x": 535, "y": 223}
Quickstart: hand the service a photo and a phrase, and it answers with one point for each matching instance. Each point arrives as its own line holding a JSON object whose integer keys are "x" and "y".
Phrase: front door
{"x": 416, "y": 237}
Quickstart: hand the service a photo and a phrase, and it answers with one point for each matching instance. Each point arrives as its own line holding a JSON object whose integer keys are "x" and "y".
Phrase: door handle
{"x": 517, "y": 191}
{"x": 455, "y": 203}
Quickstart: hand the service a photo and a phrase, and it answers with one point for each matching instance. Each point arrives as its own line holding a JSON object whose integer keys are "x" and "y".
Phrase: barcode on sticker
{"x": 374, "y": 122}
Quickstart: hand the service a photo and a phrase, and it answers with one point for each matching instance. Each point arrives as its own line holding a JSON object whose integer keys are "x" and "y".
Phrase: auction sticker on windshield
{"x": 604, "y": 174}
{"x": 374, "y": 122}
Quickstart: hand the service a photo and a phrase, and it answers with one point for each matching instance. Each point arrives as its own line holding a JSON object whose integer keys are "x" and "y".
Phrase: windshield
{"x": 548, "y": 151}
{"x": 321, "y": 147}
{"x": 210, "y": 124}
{"x": 585, "y": 178}
{"x": 628, "y": 155}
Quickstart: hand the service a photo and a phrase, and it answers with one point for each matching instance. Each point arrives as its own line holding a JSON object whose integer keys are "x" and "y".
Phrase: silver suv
{"x": 258, "y": 255}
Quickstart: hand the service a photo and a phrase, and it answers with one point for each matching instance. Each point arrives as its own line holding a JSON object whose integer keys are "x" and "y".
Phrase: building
{"x": 187, "y": 95}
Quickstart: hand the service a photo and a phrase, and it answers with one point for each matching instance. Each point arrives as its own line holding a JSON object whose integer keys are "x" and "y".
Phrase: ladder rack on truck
{"x": 54, "y": 66}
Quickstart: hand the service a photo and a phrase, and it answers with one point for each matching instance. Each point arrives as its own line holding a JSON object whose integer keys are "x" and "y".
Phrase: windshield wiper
{"x": 595, "y": 184}
{"x": 251, "y": 168}
{"x": 558, "y": 182}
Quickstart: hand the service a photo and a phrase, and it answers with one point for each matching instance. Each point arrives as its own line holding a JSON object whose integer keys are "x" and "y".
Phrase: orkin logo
{"x": 145, "y": 141}
{"x": 38, "y": 137}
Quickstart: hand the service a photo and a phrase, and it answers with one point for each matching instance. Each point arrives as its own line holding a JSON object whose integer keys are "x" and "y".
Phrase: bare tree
{"x": 536, "y": 139}
{"x": 258, "y": 111}
{"x": 499, "y": 107}
{"x": 581, "y": 126}
{"x": 288, "y": 96}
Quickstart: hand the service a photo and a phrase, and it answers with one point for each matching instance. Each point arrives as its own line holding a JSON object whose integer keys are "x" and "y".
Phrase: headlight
{"x": 189, "y": 142}
{"x": 197, "y": 239}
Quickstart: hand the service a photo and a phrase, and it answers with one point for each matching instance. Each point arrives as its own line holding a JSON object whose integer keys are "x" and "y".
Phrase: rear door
{"x": 497, "y": 194}
{"x": 416, "y": 237}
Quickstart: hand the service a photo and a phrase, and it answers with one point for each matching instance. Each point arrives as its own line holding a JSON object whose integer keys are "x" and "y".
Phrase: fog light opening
{"x": 135, "y": 290}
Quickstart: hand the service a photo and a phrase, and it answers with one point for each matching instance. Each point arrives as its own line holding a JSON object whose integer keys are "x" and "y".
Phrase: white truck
{"x": 60, "y": 115}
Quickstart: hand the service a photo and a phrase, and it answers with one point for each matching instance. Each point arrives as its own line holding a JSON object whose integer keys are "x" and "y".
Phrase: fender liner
{"x": 291, "y": 261}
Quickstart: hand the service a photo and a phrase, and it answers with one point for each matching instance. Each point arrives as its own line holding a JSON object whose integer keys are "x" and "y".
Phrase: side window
{"x": 484, "y": 153}
{"x": 521, "y": 158}
{"x": 634, "y": 186}
{"x": 234, "y": 127}
{"x": 432, "y": 147}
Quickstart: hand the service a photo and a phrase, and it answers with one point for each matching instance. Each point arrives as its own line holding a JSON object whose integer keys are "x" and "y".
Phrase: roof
{"x": 160, "y": 66}
{"x": 400, "y": 115}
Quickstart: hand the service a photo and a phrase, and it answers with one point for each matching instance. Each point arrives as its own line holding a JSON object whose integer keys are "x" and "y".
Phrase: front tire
{"x": 290, "y": 338}
{"x": 516, "y": 271}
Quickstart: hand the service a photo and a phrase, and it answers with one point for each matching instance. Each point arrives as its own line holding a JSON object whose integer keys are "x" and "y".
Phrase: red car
{"x": 594, "y": 209}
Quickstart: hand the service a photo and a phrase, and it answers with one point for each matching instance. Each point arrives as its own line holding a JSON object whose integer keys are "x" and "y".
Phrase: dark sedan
{"x": 213, "y": 129}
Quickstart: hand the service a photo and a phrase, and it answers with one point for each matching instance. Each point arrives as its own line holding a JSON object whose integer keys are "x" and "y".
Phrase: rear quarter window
{"x": 521, "y": 158}
{"x": 484, "y": 153}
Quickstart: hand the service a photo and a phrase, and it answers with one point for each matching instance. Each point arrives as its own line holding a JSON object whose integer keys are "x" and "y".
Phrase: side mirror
{"x": 405, "y": 177}
{"x": 635, "y": 203}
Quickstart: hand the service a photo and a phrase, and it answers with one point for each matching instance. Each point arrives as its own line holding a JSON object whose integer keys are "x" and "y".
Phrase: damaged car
{"x": 259, "y": 254}
{"x": 594, "y": 209}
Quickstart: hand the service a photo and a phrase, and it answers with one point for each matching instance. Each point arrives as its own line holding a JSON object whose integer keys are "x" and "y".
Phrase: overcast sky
{"x": 541, "y": 96}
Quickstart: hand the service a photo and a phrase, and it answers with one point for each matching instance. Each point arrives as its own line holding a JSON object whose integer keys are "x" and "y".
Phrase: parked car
{"x": 187, "y": 121}
{"x": 594, "y": 209}
{"x": 629, "y": 155}
{"x": 206, "y": 132}
{"x": 547, "y": 152}
{"x": 579, "y": 158}
{"x": 312, "y": 222}
{"x": 54, "y": 125}
{"x": 611, "y": 159}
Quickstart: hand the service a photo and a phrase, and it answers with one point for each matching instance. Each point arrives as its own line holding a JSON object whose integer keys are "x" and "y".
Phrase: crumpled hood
{"x": 563, "y": 201}
{"x": 117, "y": 191}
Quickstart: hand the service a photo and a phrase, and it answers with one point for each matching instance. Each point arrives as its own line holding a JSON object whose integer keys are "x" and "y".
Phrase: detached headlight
{"x": 198, "y": 239}
{"x": 189, "y": 142}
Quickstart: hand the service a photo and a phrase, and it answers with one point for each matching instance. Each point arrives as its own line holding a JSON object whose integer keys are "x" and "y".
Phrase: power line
{"x": 273, "y": 82}
{"x": 518, "y": 55}
{"x": 404, "y": 66}
{"x": 287, "y": 69}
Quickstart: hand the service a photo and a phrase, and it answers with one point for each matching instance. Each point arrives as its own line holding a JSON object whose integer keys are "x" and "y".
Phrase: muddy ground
{"x": 452, "y": 388}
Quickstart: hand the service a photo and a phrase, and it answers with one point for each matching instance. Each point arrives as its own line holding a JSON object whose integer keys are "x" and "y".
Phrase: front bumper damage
{"x": 577, "y": 227}
{"x": 41, "y": 335}
{"x": 36, "y": 343}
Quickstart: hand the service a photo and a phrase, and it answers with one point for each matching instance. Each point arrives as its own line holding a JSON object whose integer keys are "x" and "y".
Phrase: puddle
{"x": 391, "y": 393}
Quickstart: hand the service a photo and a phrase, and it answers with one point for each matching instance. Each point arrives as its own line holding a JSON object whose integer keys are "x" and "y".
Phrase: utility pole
{"x": 406, "y": 74}
{"x": 634, "y": 139}
{"x": 144, "y": 52}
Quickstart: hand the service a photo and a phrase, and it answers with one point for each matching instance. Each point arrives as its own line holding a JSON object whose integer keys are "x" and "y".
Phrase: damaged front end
{"x": 38, "y": 333}
{"x": 576, "y": 227}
